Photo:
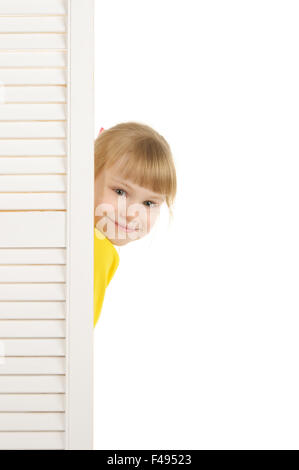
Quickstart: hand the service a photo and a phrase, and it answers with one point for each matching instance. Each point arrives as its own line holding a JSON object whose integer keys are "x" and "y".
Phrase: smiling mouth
{"x": 125, "y": 228}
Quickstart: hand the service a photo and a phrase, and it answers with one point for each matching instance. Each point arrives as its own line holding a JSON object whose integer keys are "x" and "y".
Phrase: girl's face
{"x": 124, "y": 211}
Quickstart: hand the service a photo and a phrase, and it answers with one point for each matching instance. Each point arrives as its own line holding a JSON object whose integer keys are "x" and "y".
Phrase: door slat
{"x": 32, "y": 365}
{"x": 33, "y": 94}
{"x": 31, "y": 402}
{"x": 20, "y": 273}
{"x": 32, "y": 440}
{"x": 33, "y": 77}
{"x": 32, "y": 112}
{"x": 36, "y": 291}
{"x": 33, "y": 7}
{"x": 29, "y": 24}
{"x": 32, "y": 329}
{"x": 34, "y": 256}
{"x": 30, "y": 147}
{"x": 35, "y": 165}
{"x": 32, "y": 421}
{"x": 33, "y": 347}
{"x": 32, "y": 384}
{"x": 21, "y": 130}
{"x": 32, "y": 183}
{"x": 32, "y": 229}
{"x": 33, "y": 41}
{"x": 32, "y": 310}
{"x": 33, "y": 201}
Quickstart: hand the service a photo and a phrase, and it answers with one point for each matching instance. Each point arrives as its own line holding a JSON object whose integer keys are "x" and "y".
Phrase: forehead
{"x": 114, "y": 175}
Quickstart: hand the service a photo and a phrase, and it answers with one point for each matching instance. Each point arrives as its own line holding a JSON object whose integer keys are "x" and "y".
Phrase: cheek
{"x": 110, "y": 197}
{"x": 108, "y": 201}
{"x": 151, "y": 218}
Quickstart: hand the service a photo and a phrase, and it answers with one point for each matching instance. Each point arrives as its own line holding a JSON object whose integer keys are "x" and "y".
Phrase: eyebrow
{"x": 160, "y": 198}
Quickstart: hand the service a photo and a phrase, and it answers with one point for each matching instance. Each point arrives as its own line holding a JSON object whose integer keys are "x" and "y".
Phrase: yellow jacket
{"x": 106, "y": 261}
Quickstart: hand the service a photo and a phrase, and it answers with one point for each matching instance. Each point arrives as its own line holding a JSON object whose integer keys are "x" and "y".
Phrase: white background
{"x": 197, "y": 342}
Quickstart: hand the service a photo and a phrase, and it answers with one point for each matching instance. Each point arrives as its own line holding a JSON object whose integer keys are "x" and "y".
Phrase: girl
{"x": 134, "y": 176}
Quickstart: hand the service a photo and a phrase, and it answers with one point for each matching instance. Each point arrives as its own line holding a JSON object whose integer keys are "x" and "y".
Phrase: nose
{"x": 132, "y": 217}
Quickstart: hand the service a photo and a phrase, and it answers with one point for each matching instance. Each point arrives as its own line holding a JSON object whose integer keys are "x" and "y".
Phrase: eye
{"x": 118, "y": 189}
{"x": 152, "y": 204}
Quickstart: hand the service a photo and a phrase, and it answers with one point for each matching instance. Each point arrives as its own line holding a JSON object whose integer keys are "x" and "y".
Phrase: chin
{"x": 120, "y": 242}
{"x": 123, "y": 241}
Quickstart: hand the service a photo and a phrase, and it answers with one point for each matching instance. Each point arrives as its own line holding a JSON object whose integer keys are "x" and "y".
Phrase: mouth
{"x": 125, "y": 228}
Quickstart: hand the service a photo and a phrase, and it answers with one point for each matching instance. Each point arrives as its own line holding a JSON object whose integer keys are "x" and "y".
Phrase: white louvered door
{"x": 46, "y": 224}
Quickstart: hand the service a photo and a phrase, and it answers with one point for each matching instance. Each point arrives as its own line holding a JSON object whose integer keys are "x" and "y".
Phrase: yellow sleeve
{"x": 106, "y": 261}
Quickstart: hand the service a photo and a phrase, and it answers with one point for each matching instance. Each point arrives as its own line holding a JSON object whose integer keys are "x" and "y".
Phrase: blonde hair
{"x": 143, "y": 155}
